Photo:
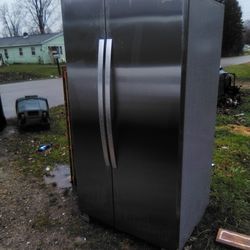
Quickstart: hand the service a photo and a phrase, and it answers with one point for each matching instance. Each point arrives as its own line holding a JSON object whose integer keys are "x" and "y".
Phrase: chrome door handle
{"x": 101, "y": 106}
{"x": 108, "y": 112}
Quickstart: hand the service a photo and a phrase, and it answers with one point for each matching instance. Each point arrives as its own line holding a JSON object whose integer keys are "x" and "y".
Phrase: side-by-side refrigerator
{"x": 142, "y": 91}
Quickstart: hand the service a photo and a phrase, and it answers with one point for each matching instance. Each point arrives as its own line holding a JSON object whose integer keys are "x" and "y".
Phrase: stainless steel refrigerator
{"x": 142, "y": 90}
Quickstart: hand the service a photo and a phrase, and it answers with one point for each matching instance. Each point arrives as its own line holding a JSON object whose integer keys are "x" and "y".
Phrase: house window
{"x": 61, "y": 51}
{"x": 21, "y": 51}
{"x": 6, "y": 53}
{"x": 33, "y": 51}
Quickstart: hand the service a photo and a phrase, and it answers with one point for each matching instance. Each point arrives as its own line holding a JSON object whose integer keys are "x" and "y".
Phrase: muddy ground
{"x": 34, "y": 215}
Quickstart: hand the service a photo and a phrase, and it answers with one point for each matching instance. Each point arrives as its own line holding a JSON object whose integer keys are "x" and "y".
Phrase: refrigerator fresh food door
{"x": 143, "y": 90}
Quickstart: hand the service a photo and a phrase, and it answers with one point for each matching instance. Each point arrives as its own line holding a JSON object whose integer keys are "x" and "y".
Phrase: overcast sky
{"x": 245, "y": 5}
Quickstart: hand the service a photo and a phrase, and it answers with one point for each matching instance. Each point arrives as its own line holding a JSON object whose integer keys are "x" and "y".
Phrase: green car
{"x": 32, "y": 111}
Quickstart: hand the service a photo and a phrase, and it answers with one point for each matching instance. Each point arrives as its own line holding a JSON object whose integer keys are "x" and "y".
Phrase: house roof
{"x": 28, "y": 41}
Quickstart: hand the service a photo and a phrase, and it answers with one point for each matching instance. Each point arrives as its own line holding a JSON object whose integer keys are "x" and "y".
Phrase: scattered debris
{"x": 241, "y": 114}
{"x": 233, "y": 239}
{"x": 44, "y": 147}
{"x": 228, "y": 93}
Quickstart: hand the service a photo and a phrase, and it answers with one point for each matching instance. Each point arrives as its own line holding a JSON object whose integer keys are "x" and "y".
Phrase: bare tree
{"x": 42, "y": 13}
{"x": 12, "y": 19}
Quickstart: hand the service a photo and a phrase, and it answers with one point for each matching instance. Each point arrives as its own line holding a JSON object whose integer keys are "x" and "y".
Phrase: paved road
{"x": 234, "y": 60}
{"x": 52, "y": 89}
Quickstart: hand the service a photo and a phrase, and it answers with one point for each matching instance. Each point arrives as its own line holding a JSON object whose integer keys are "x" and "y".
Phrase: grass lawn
{"x": 41, "y": 69}
{"x": 230, "y": 190}
{"x": 246, "y": 53}
{"x": 242, "y": 71}
{"x": 22, "y": 72}
{"x": 26, "y": 143}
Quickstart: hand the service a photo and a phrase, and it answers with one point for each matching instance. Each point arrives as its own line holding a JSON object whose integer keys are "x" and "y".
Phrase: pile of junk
{"x": 228, "y": 92}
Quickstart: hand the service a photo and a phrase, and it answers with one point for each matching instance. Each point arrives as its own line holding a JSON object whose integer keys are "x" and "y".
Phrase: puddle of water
{"x": 60, "y": 176}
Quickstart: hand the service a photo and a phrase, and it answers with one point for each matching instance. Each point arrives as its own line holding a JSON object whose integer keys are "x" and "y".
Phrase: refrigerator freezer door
{"x": 146, "y": 76}
{"x": 84, "y": 26}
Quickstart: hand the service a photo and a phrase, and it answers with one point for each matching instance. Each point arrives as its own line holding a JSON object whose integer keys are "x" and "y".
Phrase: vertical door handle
{"x": 101, "y": 109}
{"x": 108, "y": 112}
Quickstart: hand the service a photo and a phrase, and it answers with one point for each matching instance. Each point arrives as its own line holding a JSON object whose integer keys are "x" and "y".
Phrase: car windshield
{"x": 32, "y": 104}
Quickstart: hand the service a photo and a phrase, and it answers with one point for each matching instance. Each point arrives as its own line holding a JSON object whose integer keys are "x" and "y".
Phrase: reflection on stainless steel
{"x": 101, "y": 101}
{"x": 108, "y": 101}
{"x": 145, "y": 93}
{"x": 134, "y": 95}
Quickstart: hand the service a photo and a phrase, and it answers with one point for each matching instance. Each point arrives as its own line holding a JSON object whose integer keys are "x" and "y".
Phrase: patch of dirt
{"x": 244, "y": 84}
{"x": 6, "y": 77}
{"x": 240, "y": 129}
{"x": 34, "y": 215}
